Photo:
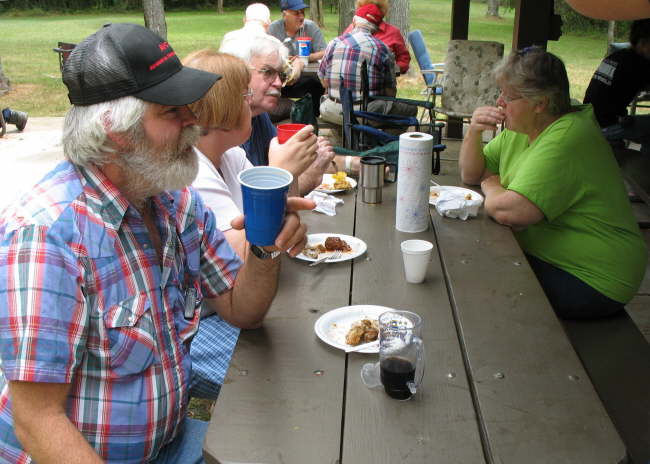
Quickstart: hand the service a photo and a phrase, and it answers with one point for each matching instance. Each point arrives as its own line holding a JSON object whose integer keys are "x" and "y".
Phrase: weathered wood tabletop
{"x": 502, "y": 383}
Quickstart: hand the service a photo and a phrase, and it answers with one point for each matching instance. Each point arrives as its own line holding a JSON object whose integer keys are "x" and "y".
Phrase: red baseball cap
{"x": 370, "y": 12}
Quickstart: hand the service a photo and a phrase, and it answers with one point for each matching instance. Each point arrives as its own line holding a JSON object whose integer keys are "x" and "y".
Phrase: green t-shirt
{"x": 570, "y": 174}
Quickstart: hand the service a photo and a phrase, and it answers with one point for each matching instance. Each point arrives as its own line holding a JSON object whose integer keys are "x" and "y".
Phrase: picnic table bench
{"x": 502, "y": 381}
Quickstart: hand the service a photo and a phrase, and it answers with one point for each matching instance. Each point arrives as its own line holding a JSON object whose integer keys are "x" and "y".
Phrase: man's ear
{"x": 115, "y": 137}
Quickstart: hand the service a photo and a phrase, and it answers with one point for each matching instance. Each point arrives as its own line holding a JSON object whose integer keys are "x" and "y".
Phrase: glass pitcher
{"x": 401, "y": 354}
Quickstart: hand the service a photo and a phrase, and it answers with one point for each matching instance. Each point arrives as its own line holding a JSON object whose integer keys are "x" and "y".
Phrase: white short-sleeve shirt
{"x": 220, "y": 193}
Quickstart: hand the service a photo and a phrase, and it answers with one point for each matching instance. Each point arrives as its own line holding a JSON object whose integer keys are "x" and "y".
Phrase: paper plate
{"x": 328, "y": 179}
{"x": 333, "y": 326}
{"x": 460, "y": 191}
{"x": 358, "y": 246}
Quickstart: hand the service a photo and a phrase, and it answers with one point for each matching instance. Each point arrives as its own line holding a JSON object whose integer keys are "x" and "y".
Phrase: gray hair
{"x": 358, "y": 21}
{"x": 85, "y": 128}
{"x": 533, "y": 73}
{"x": 255, "y": 45}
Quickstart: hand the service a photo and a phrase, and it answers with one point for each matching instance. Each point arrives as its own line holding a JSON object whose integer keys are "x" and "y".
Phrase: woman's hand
{"x": 486, "y": 118}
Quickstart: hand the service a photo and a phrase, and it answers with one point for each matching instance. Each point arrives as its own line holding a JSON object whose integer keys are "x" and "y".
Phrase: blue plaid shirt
{"x": 341, "y": 64}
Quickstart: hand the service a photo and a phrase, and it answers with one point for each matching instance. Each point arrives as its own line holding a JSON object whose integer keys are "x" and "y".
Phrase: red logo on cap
{"x": 162, "y": 60}
{"x": 163, "y": 46}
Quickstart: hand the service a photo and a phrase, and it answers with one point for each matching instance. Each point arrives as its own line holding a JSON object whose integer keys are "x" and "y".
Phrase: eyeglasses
{"x": 296, "y": 12}
{"x": 248, "y": 95}
{"x": 507, "y": 99}
{"x": 269, "y": 74}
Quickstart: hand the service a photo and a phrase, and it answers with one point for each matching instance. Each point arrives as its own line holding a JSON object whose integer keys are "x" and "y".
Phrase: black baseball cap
{"x": 127, "y": 59}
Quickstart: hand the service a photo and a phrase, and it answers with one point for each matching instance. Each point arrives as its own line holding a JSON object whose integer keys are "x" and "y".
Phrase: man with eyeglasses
{"x": 304, "y": 155}
{"x": 287, "y": 30}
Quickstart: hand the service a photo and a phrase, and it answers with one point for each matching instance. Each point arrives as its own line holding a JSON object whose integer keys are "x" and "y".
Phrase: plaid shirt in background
{"x": 84, "y": 300}
{"x": 341, "y": 64}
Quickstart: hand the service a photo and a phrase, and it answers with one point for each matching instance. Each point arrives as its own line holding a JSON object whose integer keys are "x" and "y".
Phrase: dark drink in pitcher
{"x": 395, "y": 373}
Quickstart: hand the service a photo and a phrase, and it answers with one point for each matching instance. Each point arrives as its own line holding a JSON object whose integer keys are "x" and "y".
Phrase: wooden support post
{"x": 535, "y": 24}
{"x": 459, "y": 29}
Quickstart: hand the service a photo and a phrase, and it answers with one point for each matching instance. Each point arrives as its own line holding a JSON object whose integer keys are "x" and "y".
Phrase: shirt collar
{"x": 108, "y": 201}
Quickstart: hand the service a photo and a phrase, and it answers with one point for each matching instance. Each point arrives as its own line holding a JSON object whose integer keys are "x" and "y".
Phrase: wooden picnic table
{"x": 502, "y": 383}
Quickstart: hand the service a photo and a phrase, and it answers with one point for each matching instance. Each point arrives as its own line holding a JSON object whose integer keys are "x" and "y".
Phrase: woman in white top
{"x": 224, "y": 115}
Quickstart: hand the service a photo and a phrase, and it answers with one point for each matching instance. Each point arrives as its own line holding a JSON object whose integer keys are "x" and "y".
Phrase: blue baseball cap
{"x": 292, "y": 5}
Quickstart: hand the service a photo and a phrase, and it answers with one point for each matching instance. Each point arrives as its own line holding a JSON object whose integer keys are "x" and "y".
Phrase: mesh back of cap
{"x": 95, "y": 72}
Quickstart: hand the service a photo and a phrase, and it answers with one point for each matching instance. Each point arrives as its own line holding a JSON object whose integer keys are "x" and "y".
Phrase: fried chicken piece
{"x": 364, "y": 331}
{"x": 354, "y": 335}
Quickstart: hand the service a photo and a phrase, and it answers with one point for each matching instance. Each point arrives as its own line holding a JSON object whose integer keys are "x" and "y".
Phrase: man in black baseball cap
{"x": 126, "y": 59}
{"x": 112, "y": 257}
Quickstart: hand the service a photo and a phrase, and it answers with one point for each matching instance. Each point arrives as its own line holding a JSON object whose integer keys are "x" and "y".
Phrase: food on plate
{"x": 312, "y": 251}
{"x": 340, "y": 182}
{"x": 468, "y": 196}
{"x": 336, "y": 244}
{"x": 435, "y": 194}
{"x": 363, "y": 331}
{"x": 330, "y": 244}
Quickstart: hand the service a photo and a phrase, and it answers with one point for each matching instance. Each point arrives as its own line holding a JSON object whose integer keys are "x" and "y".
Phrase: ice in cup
{"x": 416, "y": 255}
{"x": 286, "y": 131}
{"x": 264, "y": 194}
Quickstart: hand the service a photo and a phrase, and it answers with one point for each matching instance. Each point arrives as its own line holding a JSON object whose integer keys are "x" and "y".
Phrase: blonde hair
{"x": 382, "y": 4}
{"x": 221, "y": 106}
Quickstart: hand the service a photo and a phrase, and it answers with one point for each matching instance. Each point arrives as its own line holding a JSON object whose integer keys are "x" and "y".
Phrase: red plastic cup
{"x": 286, "y": 131}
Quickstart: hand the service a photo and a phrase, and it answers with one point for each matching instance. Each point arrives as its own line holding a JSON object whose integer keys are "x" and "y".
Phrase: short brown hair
{"x": 382, "y": 4}
{"x": 221, "y": 105}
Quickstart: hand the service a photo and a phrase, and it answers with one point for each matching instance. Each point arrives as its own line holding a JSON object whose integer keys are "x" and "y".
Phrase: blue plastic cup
{"x": 264, "y": 193}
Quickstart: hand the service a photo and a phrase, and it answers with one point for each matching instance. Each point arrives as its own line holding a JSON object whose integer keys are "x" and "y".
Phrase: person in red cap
{"x": 388, "y": 34}
{"x": 106, "y": 263}
{"x": 341, "y": 67}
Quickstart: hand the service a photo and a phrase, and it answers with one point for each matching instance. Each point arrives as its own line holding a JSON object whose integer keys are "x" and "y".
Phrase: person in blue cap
{"x": 293, "y": 25}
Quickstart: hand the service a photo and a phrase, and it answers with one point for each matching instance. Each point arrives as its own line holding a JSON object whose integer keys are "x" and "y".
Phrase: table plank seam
{"x": 480, "y": 422}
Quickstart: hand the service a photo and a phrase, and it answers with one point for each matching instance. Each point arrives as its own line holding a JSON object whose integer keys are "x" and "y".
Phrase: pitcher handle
{"x": 419, "y": 366}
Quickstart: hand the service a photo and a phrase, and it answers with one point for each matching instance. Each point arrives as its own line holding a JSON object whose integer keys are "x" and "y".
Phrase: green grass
{"x": 33, "y": 68}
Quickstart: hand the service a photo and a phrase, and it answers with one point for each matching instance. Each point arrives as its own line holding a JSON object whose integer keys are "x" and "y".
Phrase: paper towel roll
{"x": 413, "y": 175}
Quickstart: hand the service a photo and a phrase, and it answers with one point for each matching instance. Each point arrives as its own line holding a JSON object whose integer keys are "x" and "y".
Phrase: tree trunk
{"x": 4, "y": 81}
{"x": 346, "y": 11}
{"x": 316, "y": 13}
{"x": 220, "y": 6}
{"x": 398, "y": 16}
{"x": 611, "y": 31}
{"x": 492, "y": 8}
{"x": 154, "y": 17}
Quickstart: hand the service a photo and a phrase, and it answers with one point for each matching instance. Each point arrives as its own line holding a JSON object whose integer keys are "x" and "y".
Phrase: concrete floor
{"x": 28, "y": 155}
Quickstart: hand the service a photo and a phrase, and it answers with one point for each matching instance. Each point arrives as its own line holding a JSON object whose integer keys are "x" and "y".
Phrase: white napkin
{"x": 325, "y": 203}
{"x": 454, "y": 205}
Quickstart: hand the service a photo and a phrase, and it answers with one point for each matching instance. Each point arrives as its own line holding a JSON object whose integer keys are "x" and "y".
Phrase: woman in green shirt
{"x": 552, "y": 177}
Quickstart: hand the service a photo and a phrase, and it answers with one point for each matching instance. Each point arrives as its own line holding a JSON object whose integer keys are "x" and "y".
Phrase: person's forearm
{"x": 471, "y": 161}
{"x": 54, "y": 439}
{"x": 255, "y": 287}
{"x": 309, "y": 180}
{"x": 316, "y": 56}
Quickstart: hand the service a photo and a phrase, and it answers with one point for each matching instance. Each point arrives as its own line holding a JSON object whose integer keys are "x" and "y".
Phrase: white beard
{"x": 150, "y": 171}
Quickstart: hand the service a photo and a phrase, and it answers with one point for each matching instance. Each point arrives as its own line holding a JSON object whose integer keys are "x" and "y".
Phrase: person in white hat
{"x": 256, "y": 22}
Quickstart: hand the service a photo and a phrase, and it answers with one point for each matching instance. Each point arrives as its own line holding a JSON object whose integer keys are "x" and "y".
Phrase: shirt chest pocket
{"x": 131, "y": 336}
